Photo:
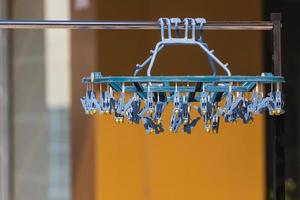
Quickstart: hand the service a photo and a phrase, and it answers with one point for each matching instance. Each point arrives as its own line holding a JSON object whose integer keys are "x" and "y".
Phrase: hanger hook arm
{"x": 201, "y": 22}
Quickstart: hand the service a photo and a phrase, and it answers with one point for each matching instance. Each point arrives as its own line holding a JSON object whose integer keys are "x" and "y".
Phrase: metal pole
{"x": 277, "y": 136}
{"x": 4, "y": 109}
{"x": 145, "y": 25}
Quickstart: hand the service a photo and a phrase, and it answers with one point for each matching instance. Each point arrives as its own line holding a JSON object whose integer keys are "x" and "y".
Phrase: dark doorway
{"x": 290, "y": 65}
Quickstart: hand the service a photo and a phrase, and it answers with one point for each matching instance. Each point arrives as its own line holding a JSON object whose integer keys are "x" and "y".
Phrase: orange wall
{"x": 130, "y": 165}
{"x": 135, "y": 166}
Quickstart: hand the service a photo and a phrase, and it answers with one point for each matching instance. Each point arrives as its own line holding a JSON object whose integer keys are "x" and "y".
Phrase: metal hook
{"x": 162, "y": 22}
{"x": 201, "y": 22}
{"x": 176, "y": 21}
{"x": 162, "y": 28}
{"x": 169, "y": 28}
{"x": 187, "y": 23}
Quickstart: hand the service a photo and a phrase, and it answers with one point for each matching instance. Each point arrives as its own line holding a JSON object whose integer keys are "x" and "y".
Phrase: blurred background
{"x": 58, "y": 153}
